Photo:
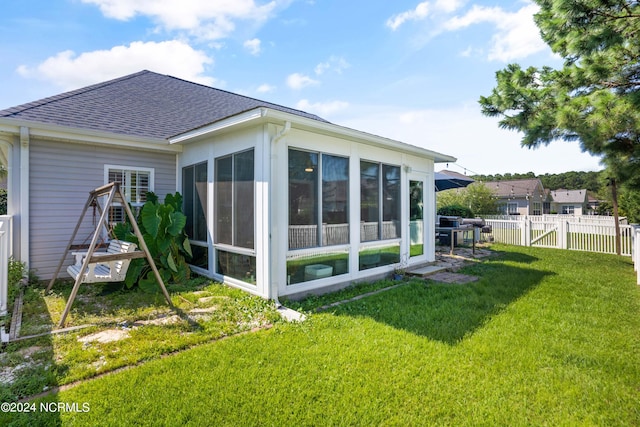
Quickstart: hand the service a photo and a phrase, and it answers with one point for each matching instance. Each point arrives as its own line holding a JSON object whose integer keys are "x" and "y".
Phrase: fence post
{"x": 635, "y": 251}
{"x": 525, "y": 230}
{"x": 563, "y": 230}
{"x": 4, "y": 267}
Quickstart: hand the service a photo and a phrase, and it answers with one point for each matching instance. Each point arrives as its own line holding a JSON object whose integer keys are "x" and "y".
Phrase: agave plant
{"x": 162, "y": 227}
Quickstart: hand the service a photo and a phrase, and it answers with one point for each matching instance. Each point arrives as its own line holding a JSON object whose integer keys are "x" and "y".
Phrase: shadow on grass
{"x": 114, "y": 300}
{"x": 450, "y": 312}
{"x": 29, "y": 368}
{"x": 518, "y": 257}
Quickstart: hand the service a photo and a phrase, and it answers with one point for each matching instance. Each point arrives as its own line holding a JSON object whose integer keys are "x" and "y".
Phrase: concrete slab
{"x": 426, "y": 270}
{"x": 291, "y": 315}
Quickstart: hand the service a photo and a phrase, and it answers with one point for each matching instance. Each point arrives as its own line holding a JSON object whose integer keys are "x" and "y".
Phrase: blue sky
{"x": 407, "y": 70}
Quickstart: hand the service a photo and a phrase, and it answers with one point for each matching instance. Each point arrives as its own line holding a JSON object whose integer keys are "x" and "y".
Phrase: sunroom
{"x": 282, "y": 205}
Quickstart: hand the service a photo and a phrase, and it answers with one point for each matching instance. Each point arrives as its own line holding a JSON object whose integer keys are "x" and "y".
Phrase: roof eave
{"x": 270, "y": 115}
{"x": 81, "y": 135}
{"x": 221, "y": 125}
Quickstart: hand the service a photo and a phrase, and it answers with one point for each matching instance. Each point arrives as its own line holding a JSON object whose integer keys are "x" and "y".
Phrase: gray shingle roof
{"x": 514, "y": 188}
{"x": 569, "y": 196}
{"x": 144, "y": 104}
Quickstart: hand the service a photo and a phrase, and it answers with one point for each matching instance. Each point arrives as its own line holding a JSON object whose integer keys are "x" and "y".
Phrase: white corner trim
{"x": 220, "y": 125}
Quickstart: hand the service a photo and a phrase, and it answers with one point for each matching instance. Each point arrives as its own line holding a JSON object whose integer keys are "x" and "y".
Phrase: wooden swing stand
{"x": 108, "y": 266}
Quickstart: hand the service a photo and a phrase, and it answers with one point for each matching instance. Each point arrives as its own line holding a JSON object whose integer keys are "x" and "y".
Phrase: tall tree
{"x": 595, "y": 98}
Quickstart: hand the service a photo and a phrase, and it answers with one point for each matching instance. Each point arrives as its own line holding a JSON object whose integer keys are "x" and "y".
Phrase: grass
{"x": 545, "y": 337}
{"x": 204, "y": 311}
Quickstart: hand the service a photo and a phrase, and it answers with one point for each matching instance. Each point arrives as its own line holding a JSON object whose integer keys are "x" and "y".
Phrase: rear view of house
{"x": 520, "y": 196}
{"x": 279, "y": 201}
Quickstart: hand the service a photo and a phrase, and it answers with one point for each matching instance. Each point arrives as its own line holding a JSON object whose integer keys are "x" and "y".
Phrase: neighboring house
{"x": 520, "y": 197}
{"x": 569, "y": 202}
{"x": 279, "y": 201}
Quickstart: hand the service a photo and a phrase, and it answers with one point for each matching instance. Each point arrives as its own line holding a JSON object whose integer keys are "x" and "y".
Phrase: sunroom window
{"x": 379, "y": 201}
{"x": 234, "y": 201}
{"x": 194, "y": 192}
{"x": 318, "y": 199}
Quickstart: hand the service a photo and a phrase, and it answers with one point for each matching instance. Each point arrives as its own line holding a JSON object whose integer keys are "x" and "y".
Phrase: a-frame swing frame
{"x": 113, "y": 193}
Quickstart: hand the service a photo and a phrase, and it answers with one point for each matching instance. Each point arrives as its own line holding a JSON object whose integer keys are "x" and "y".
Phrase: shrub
{"x": 162, "y": 227}
{"x": 3, "y": 201}
{"x": 456, "y": 210}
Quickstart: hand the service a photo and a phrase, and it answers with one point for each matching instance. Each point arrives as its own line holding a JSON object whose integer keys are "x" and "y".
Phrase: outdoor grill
{"x": 477, "y": 223}
{"x": 449, "y": 226}
{"x": 452, "y": 222}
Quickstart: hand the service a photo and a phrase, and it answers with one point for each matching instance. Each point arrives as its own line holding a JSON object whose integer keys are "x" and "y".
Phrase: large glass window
{"x": 335, "y": 200}
{"x": 379, "y": 201}
{"x": 234, "y": 200}
{"x": 238, "y": 266}
{"x": 318, "y": 189}
{"x": 194, "y": 192}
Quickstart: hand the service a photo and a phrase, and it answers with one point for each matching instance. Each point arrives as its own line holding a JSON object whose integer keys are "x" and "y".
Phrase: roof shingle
{"x": 144, "y": 104}
{"x": 514, "y": 188}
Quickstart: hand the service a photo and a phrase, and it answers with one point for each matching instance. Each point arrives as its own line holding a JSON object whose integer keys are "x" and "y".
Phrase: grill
{"x": 477, "y": 223}
{"x": 452, "y": 222}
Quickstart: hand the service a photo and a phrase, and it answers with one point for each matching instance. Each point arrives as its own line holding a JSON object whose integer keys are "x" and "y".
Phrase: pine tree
{"x": 595, "y": 98}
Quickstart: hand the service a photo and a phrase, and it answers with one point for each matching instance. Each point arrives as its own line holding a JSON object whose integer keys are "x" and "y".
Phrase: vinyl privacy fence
{"x": 571, "y": 233}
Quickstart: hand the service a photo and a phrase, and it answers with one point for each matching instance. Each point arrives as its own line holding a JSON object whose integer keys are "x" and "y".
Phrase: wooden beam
{"x": 92, "y": 247}
{"x": 105, "y": 257}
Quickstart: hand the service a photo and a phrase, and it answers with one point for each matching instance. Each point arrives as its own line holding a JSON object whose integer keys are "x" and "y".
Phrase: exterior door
{"x": 417, "y": 230}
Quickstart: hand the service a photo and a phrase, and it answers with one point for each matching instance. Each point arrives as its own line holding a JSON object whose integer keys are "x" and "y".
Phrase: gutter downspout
{"x": 24, "y": 195}
{"x": 286, "y": 313}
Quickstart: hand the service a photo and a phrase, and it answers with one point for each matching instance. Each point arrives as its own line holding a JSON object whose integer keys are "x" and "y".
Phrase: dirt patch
{"x": 203, "y": 310}
{"x": 106, "y": 336}
{"x": 162, "y": 320}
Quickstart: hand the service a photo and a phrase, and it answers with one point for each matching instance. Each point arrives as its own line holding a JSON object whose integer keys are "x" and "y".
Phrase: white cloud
{"x": 516, "y": 35}
{"x": 336, "y": 64}
{"x": 298, "y": 81}
{"x": 448, "y": 6}
{"x": 322, "y": 108}
{"x": 70, "y": 71}
{"x": 422, "y": 11}
{"x": 265, "y": 88}
{"x": 212, "y": 19}
{"x": 253, "y": 46}
{"x": 478, "y": 143}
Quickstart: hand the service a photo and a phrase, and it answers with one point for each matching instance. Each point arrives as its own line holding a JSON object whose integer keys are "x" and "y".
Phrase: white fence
{"x": 563, "y": 232}
{"x": 582, "y": 233}
{"x": 5, "y": 253}
{"x": 636, "y": 251}
{"x": 587, "y": 219}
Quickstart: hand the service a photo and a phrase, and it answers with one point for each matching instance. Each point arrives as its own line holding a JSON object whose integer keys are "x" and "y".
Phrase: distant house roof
{"x": 144, "y": 104}
{"x": 569, "y": 196}
{"x": 515, "y": 188}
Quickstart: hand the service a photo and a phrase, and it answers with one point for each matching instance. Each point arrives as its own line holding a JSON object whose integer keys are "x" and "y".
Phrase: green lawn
{"x": 545, "y": 337}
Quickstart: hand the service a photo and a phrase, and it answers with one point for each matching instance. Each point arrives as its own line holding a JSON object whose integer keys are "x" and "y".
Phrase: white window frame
{"x": 537, "y": 208}
{"x": 126, "y": 189}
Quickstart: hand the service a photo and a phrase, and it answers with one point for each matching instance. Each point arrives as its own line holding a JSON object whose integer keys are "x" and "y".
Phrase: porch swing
{"x": 106, "y": 266}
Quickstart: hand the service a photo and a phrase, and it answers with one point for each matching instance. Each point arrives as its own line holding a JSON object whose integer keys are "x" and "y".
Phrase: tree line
{"x": 592, "y": 181}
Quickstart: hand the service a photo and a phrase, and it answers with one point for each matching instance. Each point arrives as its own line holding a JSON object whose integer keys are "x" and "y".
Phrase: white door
{"x": 417, "y": 229}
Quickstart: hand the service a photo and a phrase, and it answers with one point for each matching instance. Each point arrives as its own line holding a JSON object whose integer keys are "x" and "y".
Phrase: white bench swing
{"x": 106, "y": 271}
{"x": 93, "y": 266}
